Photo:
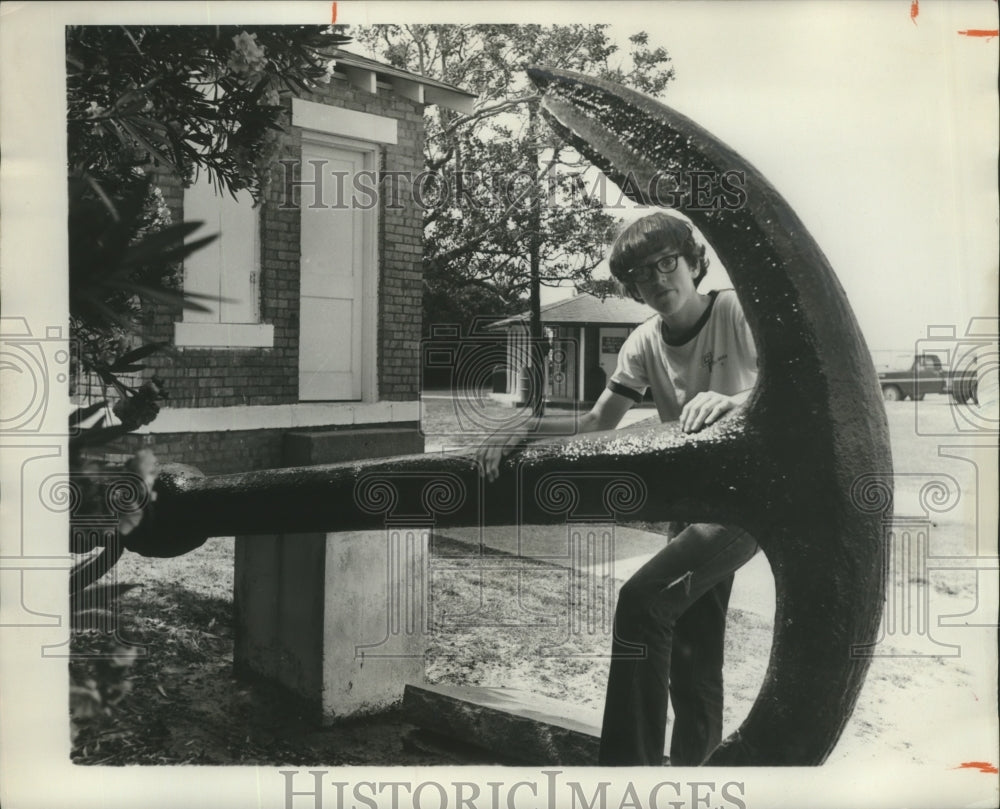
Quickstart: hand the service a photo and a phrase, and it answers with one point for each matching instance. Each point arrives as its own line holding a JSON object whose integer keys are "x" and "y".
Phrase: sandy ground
{"x": 930, "y": 697}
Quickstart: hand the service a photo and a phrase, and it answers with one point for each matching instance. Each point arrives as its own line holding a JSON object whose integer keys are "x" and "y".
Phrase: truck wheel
{"x": 963, "y": 393}
{"x": 891, "y": 393}
{"x": 974, "y": 393}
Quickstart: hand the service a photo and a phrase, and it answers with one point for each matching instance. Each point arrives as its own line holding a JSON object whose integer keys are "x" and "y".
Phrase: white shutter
{"x": 228, "y": 267}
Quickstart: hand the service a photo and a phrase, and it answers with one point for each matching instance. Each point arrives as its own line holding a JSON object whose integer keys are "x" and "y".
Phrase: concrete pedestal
{"x": 340, "y": 620}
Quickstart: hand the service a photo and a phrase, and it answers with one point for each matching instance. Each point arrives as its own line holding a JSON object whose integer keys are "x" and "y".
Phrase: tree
{"x": 186, "y": 96}
{"x": 512, "y": 212}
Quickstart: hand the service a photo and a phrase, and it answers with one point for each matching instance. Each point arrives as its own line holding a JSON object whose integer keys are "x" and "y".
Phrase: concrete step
{"x": 310, "y": 447}
{"x": 516, "y": 725}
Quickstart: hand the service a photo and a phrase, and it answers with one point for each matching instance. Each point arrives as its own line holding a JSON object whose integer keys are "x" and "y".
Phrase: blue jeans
{"x": 671, "y": 620}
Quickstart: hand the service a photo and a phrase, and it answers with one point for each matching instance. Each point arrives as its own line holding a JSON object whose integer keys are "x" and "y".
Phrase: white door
{"x": 336, "y": 255}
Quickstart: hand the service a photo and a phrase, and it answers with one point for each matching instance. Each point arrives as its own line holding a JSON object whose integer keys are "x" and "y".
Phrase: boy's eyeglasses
{"x": 646, "y": 272}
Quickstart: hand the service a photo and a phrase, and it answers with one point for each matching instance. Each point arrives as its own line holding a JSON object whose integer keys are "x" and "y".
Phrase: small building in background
{"x": 311, "y": 353}
{"x": 583, "y": 334}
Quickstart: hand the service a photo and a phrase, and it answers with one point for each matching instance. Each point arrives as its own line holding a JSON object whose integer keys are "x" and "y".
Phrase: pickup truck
{"x": 912, "y": 376}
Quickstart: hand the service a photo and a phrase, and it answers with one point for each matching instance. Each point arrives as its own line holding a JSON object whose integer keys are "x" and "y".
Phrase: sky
{"x": 878, "y": 125}
{"x": 879, "y": 129}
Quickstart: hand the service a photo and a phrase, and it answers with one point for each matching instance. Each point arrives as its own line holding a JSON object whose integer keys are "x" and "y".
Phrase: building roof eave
{"x": 584, "y": 309}
{"x": 365, "y": 73}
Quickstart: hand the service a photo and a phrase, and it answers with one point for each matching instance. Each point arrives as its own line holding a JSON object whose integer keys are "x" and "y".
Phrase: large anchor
{"x": 795, "y": 467}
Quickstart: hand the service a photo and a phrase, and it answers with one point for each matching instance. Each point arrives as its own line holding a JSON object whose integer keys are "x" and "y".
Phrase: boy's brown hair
{"x": 648, "y": 236}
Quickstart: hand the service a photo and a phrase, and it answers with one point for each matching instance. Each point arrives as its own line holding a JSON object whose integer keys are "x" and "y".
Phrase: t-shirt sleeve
{"x": 630, "y": 378}
{"x": 742, "y": 335}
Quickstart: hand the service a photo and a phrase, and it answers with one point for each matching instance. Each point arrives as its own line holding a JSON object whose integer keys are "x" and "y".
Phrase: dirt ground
{"x": 930, "y": 695}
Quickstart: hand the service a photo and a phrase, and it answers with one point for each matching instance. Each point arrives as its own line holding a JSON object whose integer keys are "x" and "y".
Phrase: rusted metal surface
{"x": 792, "y": 467}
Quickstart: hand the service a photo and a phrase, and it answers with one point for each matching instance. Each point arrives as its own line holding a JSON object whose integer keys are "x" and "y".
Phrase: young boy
{"x": 698, "y": 358}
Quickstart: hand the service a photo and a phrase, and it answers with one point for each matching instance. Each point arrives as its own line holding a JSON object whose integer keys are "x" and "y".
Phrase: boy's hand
{"x": 704, "y": 409}
{"x": 494, "y": 448}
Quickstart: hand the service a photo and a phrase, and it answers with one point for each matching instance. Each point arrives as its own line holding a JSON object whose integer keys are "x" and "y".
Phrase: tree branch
{"x": 485, "y": 112}
{"x": 472, "y": 281}
{"x": 472, "y": 242}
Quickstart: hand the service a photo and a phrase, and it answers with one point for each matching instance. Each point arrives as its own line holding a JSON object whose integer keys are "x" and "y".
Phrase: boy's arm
{"x": 606, "y": 413}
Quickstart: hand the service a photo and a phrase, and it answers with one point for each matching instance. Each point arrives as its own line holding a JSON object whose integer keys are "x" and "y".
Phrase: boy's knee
{"x": 633, "y": 602}
{"x": 640, "y": 600}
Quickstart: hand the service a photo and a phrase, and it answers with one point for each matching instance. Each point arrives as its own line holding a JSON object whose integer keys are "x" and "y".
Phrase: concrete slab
{"x": 517, "y": 725}
{"x": 308, "y": 447}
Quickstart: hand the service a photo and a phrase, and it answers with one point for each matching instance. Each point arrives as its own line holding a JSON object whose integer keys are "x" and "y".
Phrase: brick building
{"x": 312, "y": 355}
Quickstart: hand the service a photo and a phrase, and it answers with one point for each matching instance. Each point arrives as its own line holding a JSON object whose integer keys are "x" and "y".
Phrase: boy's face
{"x": 667, "y": 291}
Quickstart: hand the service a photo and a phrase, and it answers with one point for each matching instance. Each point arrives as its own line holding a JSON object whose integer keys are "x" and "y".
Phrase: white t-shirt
{"x": 718, "y": 354}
